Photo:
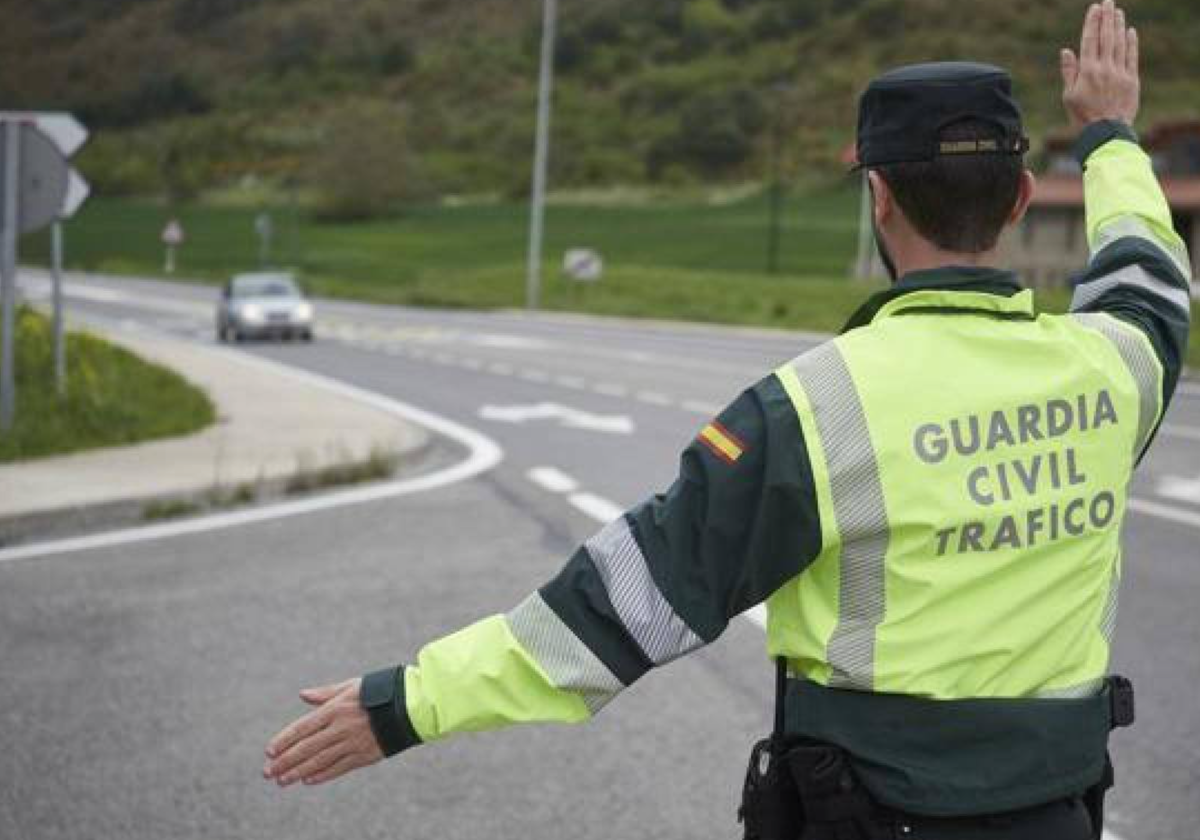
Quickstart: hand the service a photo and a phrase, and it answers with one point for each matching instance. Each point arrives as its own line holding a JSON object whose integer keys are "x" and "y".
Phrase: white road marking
{"x": 508, "y": 342}
{"x": 484, "y": 454}
{"x": 571, "y": 418}
{"x": 1173, "y": 514}
{"x": 532, "y": 375}
{"x": 471, "y": 363}
{"x": 597, "y": 507}
{"x": 1179, "y": 488}
{"x": 1185, "y": 432}
{"x": 554, "y": 480}
{"x": 698, "y": 407}
{"x": 611, "y": 389}
{"x": 653, "y": 398}
{"x": 501, "y": 369}
{"x": 570, "y": 382}
{"x": 443, "y": 358}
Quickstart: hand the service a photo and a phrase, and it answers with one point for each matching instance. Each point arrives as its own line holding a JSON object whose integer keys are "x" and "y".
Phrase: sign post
{"x": 265, "y": 229}
{"x": 60, "y": 354}
{"x": 172, "y": 236}
{"x": 38, "y": 188}
{"x": 8, "y": 274}
{"x": 541, "y": 155}
{"x": 77, "y": 193}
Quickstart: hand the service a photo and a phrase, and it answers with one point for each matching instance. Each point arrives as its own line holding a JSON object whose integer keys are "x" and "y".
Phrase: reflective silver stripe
{"x": 1125, "y": 226}
{"x": 567, "y": 661}
{"x": 646, "y": 614}
{"x": 858, "y": 507}
{"x": 1143, "y": 366}
{"x": 1130, "y": 276}
{"x": 1108, "y": 618}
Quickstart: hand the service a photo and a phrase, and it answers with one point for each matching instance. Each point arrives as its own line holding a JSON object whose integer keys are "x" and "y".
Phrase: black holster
{"x": 770, "y": 808}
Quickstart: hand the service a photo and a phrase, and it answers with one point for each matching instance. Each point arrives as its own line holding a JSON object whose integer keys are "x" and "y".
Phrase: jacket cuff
{"x": 1097, "y": 134}
{"x": 382, "y": 695}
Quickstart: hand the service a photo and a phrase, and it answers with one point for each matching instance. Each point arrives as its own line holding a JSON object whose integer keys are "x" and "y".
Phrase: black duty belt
{"x": 798, "y": 784}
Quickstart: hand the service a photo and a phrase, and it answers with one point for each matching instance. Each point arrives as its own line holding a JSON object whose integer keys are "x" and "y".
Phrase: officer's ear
{"x": 1024, "y": 196}
{"x": 884, "y": 204}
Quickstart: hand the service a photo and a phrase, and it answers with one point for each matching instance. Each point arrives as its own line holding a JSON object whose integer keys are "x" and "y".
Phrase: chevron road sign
{"x": 38, "y": 187}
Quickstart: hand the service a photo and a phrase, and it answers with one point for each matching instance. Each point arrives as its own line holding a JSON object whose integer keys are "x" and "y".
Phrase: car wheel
{"x": 307, "y": 335}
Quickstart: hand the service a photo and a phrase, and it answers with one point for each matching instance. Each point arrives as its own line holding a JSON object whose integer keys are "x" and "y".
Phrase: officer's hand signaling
{"x": 1101, "y": 83}
{"x": 328, "y": 742}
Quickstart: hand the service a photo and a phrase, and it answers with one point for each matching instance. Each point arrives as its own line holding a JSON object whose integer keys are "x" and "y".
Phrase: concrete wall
{"x": 1051, "y": 245}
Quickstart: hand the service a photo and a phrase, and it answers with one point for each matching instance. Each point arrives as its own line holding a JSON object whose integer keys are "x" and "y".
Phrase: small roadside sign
{"x": 173, "y": 234}
{"x": 583, "y": 264}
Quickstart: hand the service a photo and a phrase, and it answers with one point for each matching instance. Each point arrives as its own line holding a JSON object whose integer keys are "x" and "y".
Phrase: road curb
{"x": 238, "y": 478}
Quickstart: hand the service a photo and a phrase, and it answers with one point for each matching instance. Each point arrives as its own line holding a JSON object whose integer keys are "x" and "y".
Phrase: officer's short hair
{"x": 959, "y": 202}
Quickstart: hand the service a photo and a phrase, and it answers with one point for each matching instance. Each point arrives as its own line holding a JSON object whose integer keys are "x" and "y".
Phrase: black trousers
{"x": 1063, "y": 820}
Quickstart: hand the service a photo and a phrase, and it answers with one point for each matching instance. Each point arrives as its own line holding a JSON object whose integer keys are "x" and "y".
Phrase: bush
{"x": 365, "y": 168}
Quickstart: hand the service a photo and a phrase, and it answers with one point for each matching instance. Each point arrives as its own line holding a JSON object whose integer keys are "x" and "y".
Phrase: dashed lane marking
{"x": 574, "y": 382}
{"x": 1176, "y": 431}
{"x": 1173, "y": 514}
{"x": 610, "y": 389}
{"x": 554, "y": 480}
{"x": 698, "y": 407}
{"x": 597, "y": 507}
{"x": 653, "y": 398}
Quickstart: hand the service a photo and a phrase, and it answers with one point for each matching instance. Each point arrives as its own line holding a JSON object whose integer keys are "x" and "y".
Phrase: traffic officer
{"x": 929, "y": 504}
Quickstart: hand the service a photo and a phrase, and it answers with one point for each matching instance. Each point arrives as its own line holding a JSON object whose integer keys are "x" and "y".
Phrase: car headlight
{"x": 303, "y": 312}
{"x": 251, "y": 312}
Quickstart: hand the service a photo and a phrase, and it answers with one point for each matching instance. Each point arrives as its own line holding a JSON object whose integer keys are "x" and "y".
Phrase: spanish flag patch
{"x": 723, "y": 443}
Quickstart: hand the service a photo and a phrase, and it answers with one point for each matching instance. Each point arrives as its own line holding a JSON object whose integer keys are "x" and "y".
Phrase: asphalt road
{"x": 141, "y": 681}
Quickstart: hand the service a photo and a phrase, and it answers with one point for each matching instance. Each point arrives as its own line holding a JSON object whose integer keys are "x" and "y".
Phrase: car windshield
{"x": 278, "y": 286}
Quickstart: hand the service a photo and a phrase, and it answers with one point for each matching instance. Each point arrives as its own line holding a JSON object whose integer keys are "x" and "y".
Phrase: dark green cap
{"x": 902, "y": 114}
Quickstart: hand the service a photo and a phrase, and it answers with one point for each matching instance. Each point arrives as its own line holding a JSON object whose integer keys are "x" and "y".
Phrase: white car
{"x": 264, "y": 305}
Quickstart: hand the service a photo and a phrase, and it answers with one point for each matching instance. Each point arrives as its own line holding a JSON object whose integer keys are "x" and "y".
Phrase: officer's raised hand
{"x": 328, "y": 742}
{"x": 1101, "y": 83}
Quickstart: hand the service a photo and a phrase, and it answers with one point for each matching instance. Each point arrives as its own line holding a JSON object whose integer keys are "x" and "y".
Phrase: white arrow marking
{"x": 571, "y": 418}
{"x": 1180, "y": 489}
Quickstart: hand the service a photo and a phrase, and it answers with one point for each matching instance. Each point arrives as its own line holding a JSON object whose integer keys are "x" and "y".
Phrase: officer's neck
{"x": 912, "y": 253}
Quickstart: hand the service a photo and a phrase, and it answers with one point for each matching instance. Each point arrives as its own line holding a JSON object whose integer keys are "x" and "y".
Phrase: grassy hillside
{"x": 425, "y": 97}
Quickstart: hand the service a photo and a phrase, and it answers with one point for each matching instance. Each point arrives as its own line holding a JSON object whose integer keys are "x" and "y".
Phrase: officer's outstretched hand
{"x": 1101, "y": 83}
{"x": 328, "y": 742}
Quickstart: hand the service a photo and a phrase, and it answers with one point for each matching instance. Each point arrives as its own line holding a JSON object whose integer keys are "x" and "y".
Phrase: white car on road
{"x": 264, "y": 305}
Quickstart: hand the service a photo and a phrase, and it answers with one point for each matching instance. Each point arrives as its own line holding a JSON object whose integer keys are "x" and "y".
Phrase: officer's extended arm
{"x": 657, "y": 583}
{"x": 1139, "y": 269}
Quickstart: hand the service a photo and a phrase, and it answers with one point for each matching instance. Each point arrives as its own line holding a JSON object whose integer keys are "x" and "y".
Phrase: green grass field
{"x": 113, "y": 397}
{"x": 688, "y": 260}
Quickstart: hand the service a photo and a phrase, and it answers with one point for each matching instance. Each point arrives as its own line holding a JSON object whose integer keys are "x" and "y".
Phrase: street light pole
{"x": 776, "y": 201}
{"x": 8, "y": 274}
{"x": 781, "y": 90}
{"x": 541, "y": 155}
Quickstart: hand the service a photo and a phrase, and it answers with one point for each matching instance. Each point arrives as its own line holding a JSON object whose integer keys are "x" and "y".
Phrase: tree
{"x": 365, "y": 167}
